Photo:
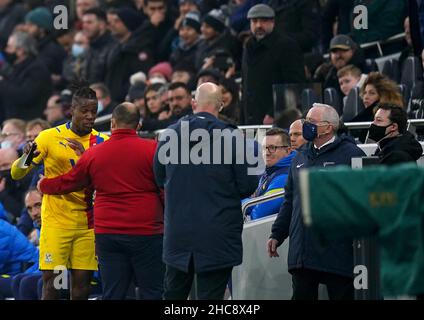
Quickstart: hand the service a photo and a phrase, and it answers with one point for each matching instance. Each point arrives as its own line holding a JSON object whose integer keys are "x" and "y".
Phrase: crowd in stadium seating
{"x": 155, "y": 53}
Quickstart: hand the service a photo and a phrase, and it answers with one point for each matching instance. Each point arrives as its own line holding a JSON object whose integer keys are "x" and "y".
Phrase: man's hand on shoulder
{"x": 76, "y": 146}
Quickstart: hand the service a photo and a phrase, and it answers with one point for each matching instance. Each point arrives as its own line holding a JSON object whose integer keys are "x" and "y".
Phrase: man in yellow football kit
{"x": 67, "y": 235}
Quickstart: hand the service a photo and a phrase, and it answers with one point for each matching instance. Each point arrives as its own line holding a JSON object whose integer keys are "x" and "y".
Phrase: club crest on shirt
{"x": 48, "y": 258}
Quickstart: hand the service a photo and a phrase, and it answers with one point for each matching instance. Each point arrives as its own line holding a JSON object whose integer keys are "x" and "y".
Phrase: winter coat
{"x": 399, "y": 149}
{"x": 25, "y": 92}
{"x": 305, "y": 249}
{"x": 203, "y": 218}
{"x": 273, "y": 60}
{"x": 125, "y": 59}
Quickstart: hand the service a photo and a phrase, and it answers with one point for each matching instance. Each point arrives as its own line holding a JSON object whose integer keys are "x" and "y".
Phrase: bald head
{"x": 125, "y": 116}
{"x": 208, "y": 98}
{"x": 7, "y": 157}
{"x": 296, "y": 137}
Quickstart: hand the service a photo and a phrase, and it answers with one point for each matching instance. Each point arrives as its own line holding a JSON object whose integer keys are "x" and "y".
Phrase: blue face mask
{"x": 309, "y": 131}
{"x": 77, "y": 50}
{"x": 100, "y": 107}
{"x": 6, "y": 144}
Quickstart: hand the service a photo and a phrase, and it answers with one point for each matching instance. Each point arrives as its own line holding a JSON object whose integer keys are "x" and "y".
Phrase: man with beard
{"x": 343, "y": 51}
{"x": 67, "y": 236}
{"x": 94, "y": 26}
{"x": 269, "y": 58}
{"x": 179, "y": 99}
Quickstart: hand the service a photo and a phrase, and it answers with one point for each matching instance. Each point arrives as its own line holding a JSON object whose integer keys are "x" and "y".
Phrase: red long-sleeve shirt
{"x": 121, "y": 171}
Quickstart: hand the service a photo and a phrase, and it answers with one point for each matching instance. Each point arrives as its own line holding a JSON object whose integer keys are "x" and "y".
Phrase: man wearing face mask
{"x": 13, "y": 134}
{"x": 395, "y": 143}
{"x": 75, "y": 65}
{"x": 311, "y": 262}
{"x": 105, "y": 104}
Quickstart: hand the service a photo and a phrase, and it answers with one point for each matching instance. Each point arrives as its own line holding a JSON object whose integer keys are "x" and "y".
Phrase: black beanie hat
{"x": 192, "y": 19}
{"x": 216, "y": 20}
{"x": 129, "y": 17}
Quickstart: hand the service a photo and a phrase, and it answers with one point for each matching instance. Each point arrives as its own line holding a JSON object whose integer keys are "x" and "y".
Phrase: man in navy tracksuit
{"x": 310, "y": 261}
{"x": 203, "y": 218}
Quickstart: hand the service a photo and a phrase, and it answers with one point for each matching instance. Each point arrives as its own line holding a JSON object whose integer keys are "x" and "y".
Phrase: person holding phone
{"x": 67, "y": 236}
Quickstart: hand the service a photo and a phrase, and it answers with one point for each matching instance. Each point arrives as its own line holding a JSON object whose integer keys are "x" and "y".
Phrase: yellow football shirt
{"x": 69, "y": 211}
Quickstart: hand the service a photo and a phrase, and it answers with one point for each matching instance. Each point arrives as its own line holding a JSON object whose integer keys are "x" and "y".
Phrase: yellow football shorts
{"x": 70, "y": 249}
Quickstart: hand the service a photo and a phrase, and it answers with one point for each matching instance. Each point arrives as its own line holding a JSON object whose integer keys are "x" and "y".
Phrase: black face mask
{"x": 5, "y": 174}
{"x": 10, "y": 57}
{"x": 377, "y": 133}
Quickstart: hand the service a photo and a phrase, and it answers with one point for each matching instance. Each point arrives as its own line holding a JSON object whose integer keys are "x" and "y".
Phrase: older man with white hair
{"x": 310, "y": 262}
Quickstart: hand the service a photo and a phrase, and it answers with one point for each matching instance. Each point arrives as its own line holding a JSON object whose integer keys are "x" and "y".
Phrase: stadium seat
{"x": 371, "y": 65}
{"x": 332, "y": 98}
{"x": 405, "y": 92}
{"x": 412, "y": 71}
{"x": 353, "y": 105}
{"x": 391, "y": 69}
{"x": 308, "y": 98}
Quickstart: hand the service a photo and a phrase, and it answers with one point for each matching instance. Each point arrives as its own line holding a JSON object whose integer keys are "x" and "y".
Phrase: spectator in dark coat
{"x": 159, "y": 22}
{"x": 395, "y": 143}
{"x": 311, "y": 262}
{"x": 24, "y": 92}
{"x": 75, "y": 64}
{"x": 203, "y": 219}
{"x": 216, "y": 35}
{"x": 270, "y": 57}
{"x": 132, "y": 53}
{"x": 94, "y": 26}
{"x": 39, "y": 23}
{"x": 343, "y": 51}
{"x": 11, "y": 14}
{"x": 188, "y": 41}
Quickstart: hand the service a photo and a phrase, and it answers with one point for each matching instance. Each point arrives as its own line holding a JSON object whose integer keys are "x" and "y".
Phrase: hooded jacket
{"x": 399, "y": 149}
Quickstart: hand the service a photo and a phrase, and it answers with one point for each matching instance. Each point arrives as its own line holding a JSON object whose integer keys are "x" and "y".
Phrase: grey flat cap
{"x": 261, "y": 11}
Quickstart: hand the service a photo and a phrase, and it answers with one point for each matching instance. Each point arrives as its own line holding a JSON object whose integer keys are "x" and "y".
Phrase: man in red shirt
{"x": 128, "y": 209}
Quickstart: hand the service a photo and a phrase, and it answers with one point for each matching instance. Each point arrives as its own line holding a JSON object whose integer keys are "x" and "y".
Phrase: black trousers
{"x": 124, "y": 258}
{"x": 209, "y": 285}
{"x": 305, "y": 284}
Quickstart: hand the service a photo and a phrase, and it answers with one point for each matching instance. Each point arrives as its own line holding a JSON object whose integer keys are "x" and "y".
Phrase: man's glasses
{"x": 6, "y": 135}
{"x": 273, "y": 148}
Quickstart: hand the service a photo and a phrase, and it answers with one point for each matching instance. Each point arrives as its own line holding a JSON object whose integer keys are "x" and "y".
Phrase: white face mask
{"x": 100, "y": 107}
{"x": 6, "y": 144}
